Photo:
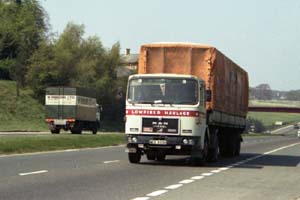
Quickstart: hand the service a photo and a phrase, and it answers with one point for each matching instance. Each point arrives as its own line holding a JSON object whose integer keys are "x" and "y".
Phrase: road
{"x": 268, "y": 168}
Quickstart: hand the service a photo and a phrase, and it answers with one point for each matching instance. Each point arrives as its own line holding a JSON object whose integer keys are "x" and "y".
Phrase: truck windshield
{"x": 163, "y": 91}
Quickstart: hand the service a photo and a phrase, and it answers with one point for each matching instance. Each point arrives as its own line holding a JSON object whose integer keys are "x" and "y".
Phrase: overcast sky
{"x": 262, "y": 36}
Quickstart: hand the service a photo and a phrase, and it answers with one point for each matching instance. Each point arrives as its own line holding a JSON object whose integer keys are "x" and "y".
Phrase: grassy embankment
{"x": 268, "y": 119}
{"x": 39, "y": 143}
{"x": 21, "y": 113}
{"x": 24, "y": 113}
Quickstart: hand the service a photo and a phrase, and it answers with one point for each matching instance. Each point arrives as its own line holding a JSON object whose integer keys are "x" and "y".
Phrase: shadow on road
{"x": 261, "y": 162}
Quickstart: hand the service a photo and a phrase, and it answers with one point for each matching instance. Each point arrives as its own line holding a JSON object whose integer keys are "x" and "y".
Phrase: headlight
{"x": 134, "y": 139}
{"x": 185, "y": 141}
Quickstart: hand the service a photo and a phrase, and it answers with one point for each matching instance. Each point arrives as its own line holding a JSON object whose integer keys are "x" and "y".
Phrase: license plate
{"x": 60, "y": 121}
{"x": 159, "y": 142}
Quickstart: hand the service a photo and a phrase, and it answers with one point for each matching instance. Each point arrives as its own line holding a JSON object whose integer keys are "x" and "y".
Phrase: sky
{"x": 262, "y": 36}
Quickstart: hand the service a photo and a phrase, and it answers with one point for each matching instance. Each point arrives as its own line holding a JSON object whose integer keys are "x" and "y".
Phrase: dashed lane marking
{"x": 173, "y": 187}
{"x": 186, "y": 181}
{"x": 141, "y": 198}
{"x": 111, "y": 161}
{"x": 207, "y": 174}
{"x": 32, "y": 173}
{"x": 197, "y": 177}
{"x": 157, "y": 193}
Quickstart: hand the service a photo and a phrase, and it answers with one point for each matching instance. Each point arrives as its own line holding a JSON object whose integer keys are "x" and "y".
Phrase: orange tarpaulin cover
{"x": 226, "y": 80}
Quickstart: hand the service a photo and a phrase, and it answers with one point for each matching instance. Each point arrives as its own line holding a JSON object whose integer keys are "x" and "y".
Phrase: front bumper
{"x": 172, "y": 145}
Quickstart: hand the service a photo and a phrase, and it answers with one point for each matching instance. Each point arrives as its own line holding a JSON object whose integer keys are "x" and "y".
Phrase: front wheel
{"x": 134, "y": 157}
{"x": 161, "y": 157}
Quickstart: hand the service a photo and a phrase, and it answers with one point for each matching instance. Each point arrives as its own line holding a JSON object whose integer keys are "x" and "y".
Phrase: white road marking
{"x": 141, "y": 198}
{"x": 173, "y": 187}
{"x": 71, "y": 150}
{"x": 111, "y": 161}
{"x": 31, "y": 173}
{"x": 223, "y": 168}
{"x": 157, "y": 193}
{"x": 207, "y": 174}
{"x": 197, "y": 177}
{"x": 203, "y": 175}
{"x": 286, "y": 127}
{"x": 186, "y": 181}
{"x": 60, "y": 151}
{"x": 240, "y": 163}
{"x": 281, "y": 148}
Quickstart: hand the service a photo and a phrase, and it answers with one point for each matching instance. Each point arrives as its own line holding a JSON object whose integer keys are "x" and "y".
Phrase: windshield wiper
{"x": 185, "y": 102}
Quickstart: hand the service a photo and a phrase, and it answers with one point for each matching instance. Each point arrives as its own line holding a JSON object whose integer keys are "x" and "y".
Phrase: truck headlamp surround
{"x": 134, "y": 139}
{"x": 185, "y": 141}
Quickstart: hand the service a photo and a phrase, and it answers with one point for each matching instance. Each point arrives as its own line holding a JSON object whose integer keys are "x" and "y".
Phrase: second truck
{"x": 71, "y": 108}
{"x": 187, "y": 99}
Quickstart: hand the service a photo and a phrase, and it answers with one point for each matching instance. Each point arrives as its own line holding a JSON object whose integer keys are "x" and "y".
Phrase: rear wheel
{"x": 230, "y": 144}
{"x": 134, "y": 157}
{"x": 213, "y": 151}
{"x": 94, "y": 131}
{"x": 55, "y": 131}
{"x": 238, "y": 146}
{"x": 77, "y": 129}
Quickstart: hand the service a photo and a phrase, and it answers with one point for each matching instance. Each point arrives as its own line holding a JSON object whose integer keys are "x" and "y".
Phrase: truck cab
{"x": 165, "y": 115}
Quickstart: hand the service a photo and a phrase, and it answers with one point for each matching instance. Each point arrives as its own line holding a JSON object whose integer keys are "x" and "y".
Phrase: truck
{"x": 186, "y": 99}
{"x": 71, "y": 108}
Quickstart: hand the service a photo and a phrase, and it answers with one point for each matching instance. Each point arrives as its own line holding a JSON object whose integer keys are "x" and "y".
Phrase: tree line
{"x": 264, "y": 92}
{"x": 36, "y": 58}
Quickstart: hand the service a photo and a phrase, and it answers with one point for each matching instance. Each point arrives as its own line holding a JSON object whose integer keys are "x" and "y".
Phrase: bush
{"x": 255, "y": 124}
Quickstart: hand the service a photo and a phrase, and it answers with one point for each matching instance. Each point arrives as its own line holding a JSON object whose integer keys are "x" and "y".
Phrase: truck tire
{"x": 161, "y": 157}
{"x": 55, "y": 131}
{"x": 150, "y": 155}
{"x": 201, "y": 161}
{"x": 94, "y": 129}
{"x": 134, "y": 157}
{"x": 229, "y": 145}
{"x": 213, "y": 150}
{"x": 238, "y": 147}
{"x": 77, "y": 129}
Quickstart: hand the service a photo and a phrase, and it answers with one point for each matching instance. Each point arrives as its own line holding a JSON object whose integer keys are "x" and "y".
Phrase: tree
{"x": 23, "y": 25}
{"x": 262, "y": 92}
{"x": 293, "y": 95}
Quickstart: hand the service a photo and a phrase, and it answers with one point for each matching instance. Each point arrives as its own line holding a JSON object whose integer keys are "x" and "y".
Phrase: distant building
{"x": 129, "y": 64}
{"x": 130, "y": 61}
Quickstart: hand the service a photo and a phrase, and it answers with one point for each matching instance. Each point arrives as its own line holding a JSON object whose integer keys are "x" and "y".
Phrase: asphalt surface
{"x": 268, "y": 168}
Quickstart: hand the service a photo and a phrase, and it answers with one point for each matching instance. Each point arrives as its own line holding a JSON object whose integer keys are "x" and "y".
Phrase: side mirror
{"x": 208, "y": 95}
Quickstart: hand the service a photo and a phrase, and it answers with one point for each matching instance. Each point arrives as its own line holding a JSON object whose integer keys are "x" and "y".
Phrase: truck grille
{"x": 160, "y": 125}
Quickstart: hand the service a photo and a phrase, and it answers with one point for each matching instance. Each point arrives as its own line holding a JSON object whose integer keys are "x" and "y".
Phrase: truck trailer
{"x": 187, "y": 99}
{"x": 71, "y": 108}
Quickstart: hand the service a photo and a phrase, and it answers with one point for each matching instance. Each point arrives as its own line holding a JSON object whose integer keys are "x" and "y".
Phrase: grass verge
{"x": 268, "y": 119}
{"x": 38, "y": 143}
